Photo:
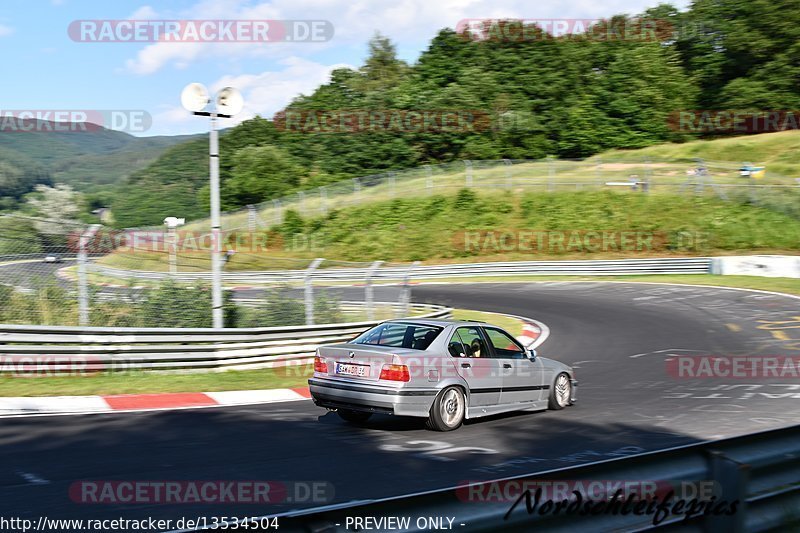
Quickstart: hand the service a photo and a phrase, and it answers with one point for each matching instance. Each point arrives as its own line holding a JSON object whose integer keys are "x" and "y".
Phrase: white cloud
{"x": 5, "y": 30}
{"x": 143, "y": 13}
{"x": 409, "y": 22}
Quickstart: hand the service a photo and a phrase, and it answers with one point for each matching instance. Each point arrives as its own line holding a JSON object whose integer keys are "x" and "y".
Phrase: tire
{"x": 356, "y": 417}
{"x": 560, "y": 392}
{"x": 448, "y": 410}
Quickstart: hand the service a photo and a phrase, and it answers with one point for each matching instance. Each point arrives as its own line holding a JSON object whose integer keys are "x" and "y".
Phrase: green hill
{"x": 500, "y": 225}
{"x": 83, "y": 159}
{"x": 777, "y": 151}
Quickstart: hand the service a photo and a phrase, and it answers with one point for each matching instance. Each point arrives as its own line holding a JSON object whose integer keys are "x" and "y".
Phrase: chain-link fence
{"x": 32, "y": 252}
{"x": 671, "y": 176}
{"x": 49, "y": 275}
{"x": 50, "y": 272}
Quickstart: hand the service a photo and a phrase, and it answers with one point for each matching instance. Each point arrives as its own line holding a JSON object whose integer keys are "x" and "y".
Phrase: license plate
{"x": 347, "y": 369}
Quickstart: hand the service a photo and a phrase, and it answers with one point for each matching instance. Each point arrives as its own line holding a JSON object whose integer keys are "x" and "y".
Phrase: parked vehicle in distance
{"x": 53, "y": 259}
{"x": 443, "y": 370}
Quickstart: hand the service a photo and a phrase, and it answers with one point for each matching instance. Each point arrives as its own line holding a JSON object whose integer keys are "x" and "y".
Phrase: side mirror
{"x": 532, "y": 354}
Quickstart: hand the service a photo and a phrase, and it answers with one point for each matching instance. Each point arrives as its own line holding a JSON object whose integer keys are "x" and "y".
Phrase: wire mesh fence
{"x": 50, "y": 275}
{"x": 55, "y": 271}
{"x": 672, "y": 176}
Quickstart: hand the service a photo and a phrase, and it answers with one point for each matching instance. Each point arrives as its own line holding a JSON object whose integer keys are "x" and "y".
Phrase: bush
{"x": 465, "y": 198}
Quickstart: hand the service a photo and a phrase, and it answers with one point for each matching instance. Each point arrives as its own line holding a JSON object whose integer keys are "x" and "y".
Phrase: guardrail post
{"x": 251, "y": 217}
{"x": 733, "y": 478}
{"x": 83, "y": 287}
{"x": 551, "y": 172}
{"x": 173, "y": 251}
{"x": 368, "y": 292}
{"x": 276, "y": 204}
{"x": 509, "y": 174}
{"x": 468, "y": 167}
{"x": 598, "y": 172}
{"x": 356, "y": 187}
{"x": 392, "y": 187}
{"x": 405, "y": 293}
{"x": 308, "y": 290}
{"x": 429, "y": 180}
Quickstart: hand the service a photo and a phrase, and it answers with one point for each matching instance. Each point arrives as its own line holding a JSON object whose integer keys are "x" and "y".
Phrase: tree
{"x": 59, "y": 205}
{"x": 641, "y": 88}
{"x": 382, "y": 70}
{"x": 261, "y": 173}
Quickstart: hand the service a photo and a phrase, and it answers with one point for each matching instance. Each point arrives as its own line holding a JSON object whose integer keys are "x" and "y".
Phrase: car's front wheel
{"x": 560, "y": 392}
{"x": 353, "y": 416}
{"x": 448, "y": 410}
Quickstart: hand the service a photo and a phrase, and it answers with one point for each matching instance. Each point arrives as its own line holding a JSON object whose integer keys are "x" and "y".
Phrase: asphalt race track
{"x": 617, "y": 336}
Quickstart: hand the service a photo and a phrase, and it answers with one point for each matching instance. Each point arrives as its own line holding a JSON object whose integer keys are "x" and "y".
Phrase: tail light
{"x": 320, "y": 365}
{"x": 395, "y": 373}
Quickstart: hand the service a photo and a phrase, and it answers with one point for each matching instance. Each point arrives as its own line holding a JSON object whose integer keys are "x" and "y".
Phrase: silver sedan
{"x": 442, "y": 370}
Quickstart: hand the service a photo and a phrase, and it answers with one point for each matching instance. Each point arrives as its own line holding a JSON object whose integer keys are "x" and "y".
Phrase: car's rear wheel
{"x": 353, "y": 416}
{"x": 448, "y": 410}
{"x": 560, "y": 392}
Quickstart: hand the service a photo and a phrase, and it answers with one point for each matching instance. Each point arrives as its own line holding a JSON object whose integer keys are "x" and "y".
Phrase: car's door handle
{"x": 506, "y": 365}
{"x": 466, "y": 365}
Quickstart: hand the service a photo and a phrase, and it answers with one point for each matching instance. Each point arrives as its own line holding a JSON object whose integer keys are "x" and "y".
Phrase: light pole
{"x": 228, "y": 103}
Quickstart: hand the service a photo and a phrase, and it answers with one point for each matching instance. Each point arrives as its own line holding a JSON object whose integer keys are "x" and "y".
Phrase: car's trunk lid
{"x": 360, "y": 361}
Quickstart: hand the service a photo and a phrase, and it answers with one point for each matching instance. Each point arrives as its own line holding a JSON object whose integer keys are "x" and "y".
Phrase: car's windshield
{"x": 400, "y": 335}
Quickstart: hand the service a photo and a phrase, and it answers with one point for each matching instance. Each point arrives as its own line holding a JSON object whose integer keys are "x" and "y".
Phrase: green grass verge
{"x": 785, "y": 285}
{"x": 777, "y": 151}
{"x": 508, "y": 226}
{"x": 510, "y": 324}
{"x": 140, "y": 382}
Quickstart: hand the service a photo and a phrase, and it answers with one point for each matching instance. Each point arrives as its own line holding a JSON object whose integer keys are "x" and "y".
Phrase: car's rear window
{"x": 400, "y": 335}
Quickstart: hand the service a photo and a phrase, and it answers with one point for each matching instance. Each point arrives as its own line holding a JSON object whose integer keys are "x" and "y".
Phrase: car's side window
{"x": 456, "y": 347}
{"x": 504, "y": 345}
{"x": 471, "y": 339}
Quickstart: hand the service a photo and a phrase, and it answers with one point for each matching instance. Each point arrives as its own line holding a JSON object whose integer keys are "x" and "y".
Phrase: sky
{"x": 46, "y": 68}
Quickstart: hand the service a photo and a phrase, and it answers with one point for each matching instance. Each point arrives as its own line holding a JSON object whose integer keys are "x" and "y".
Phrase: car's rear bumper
{"x": 336, "y": 394}
{"x": 573, "y": 396}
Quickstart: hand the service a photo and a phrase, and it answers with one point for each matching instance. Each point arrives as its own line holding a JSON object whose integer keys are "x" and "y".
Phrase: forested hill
{"x": 18, "y": 176}
{"x": 82, "y": 159}
{"x": 568, "y": 97}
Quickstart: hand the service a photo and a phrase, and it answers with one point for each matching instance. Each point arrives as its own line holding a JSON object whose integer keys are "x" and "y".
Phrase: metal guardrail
{"x": 682, "y": 265}
{"x": 761, "y": 471}
{"x": 54, "y": 349}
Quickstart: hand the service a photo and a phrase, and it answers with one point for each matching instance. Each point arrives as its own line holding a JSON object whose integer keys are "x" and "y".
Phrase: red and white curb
{"x": 530, "y": 334}
{"x": 16, "y": 406}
